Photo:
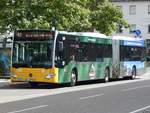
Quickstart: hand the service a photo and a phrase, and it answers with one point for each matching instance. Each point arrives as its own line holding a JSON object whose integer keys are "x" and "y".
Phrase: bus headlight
{"x": 50, "y": 76}
{"x": 13, "y": 75}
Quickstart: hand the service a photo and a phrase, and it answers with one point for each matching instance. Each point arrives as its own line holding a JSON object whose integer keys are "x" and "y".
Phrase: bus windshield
{"x": 32, "y": 54}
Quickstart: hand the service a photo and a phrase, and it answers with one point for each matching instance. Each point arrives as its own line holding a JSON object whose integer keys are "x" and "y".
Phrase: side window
{"x": 129, "y": 53}
{"x": 107, "y": 51}
{"x": 99, "y": 52}
{"x": 68, "y": 48}
{"x": 83, "y": 52}
{"x": 59, "y": 54}
{"x": 86, "y": 52}
{"x": 104, "y": 51}
{"x": 71, "y": 48}
{"x": 125, "y": 53}
{"x": 91, "y": 52}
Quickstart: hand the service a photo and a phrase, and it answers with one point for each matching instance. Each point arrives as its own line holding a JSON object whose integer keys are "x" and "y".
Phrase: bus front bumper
{"x": 35, "y": 75}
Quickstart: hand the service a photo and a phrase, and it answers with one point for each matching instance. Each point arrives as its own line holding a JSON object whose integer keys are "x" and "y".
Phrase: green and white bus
{"x": 60, "y": 57}
{"x": 43, "y": 56}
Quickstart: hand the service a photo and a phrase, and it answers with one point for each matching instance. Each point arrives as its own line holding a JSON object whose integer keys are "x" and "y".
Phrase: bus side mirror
{"x": 60, "y": 46}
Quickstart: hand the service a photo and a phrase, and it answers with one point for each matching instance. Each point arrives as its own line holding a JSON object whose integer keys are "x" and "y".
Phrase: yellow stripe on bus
{"x": 34, "y": 75}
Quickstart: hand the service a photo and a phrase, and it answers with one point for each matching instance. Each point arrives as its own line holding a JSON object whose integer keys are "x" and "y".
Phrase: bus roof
{"x": 89, "y": 34}
{"x": 126, "y": 38}
{"x": 129, "y": 41}
{"x": 92, "y": 34}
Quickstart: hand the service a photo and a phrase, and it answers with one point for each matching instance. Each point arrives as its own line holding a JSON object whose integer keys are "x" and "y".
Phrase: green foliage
{"x": 68, "y": 15}
{"x": 106, "y": 17}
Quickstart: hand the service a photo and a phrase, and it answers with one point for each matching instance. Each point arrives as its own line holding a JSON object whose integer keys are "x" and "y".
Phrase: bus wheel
{"x": 106, "y": 78}
{"x": 73, "y": 81}
{"x": 133, "y": 73}
{"x": 33, "y": 84}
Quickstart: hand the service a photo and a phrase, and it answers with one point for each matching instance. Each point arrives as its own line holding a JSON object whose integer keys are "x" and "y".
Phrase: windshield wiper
{"x": 40, "y": 65}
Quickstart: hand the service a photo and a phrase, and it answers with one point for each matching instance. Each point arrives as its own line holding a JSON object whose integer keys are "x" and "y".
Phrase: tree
{"x": 105, "y": 17}
{"x": 68, "y": 15}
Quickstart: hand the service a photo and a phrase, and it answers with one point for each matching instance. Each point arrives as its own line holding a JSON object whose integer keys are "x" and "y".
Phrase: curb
{"x": 4, "y": 77}
{"x": 4, "y": 80}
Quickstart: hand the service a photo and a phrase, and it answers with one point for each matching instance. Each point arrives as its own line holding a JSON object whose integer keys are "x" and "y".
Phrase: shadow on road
{"x": 50, "y": 86}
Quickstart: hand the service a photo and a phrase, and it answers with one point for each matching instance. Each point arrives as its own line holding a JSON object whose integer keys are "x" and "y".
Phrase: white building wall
{"x": 141, "y": 18}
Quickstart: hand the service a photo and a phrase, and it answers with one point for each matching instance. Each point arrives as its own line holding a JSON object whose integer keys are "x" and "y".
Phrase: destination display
{"x": 139, "y": 43}
{"x": 31, "y": 35}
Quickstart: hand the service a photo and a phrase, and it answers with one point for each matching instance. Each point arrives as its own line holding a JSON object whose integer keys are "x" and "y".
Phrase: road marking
{"x": 134, "y": 88}
{"x": 28, "y": 109}
{"x": 92, "y": 96}
{"x": 140, "y": 109}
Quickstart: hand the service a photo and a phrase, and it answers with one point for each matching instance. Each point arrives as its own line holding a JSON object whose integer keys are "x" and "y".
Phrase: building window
{"x": 149, "y": 29}
{"x": 149, "y": 9}
{"x": 132, "y": 9}
{"x": 132, "y": 28}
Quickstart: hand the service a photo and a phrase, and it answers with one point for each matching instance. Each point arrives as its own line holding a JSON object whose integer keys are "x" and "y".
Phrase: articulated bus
{"x": 44, "y": 56}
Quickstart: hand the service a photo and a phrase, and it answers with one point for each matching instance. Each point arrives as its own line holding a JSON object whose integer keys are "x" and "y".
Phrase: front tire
{"x": 73, "y": 80}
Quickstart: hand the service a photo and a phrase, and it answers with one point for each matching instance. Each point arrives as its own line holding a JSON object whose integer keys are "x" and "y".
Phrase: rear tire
{"x": 73, "y": 80}
{"x": 133, "y": 73}
{"x": 107, "y": 75}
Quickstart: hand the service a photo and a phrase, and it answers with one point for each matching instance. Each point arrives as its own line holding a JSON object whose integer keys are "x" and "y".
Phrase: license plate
{"x": 20, "y": 79}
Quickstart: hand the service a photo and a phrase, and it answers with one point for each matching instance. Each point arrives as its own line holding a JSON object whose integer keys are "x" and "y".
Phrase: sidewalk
{"x": 4, "y": 82}
{"x": 146, "y": 75}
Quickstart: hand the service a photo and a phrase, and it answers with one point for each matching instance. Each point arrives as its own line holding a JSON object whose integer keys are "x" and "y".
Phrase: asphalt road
{"x": 132, "y": 97}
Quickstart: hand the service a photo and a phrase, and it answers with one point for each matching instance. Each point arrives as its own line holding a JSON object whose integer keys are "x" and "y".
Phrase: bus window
{"x": 129, "y": 53}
